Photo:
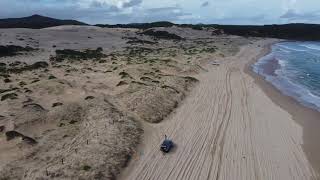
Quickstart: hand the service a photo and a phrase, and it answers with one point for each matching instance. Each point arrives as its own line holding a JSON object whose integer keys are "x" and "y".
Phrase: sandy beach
{"x": 233, "y": 125}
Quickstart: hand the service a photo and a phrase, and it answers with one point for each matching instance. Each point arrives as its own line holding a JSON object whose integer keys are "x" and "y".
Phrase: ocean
{"x": 294, "y": 69}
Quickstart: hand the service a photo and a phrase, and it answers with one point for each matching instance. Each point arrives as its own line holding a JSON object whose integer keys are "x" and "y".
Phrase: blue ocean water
{"x": 295, "y": 70}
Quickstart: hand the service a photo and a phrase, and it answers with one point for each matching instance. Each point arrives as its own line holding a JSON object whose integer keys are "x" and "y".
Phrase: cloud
{"x": 243, "y": 20}
{"x": 292, "y": 4}
{"x": 290, "y": 14}
{"x": 138, "y": 15}
{"x": 164, "y": 14}
{"x": 289, "y": 4}
{"x": 132, "y": 3}
{"x": 293, "y": 16}
{"x": 90, "y": 11}
{"x": 205, "y": 4}
{"x": 180, "y": 11}
{"x": 105, "y": 3}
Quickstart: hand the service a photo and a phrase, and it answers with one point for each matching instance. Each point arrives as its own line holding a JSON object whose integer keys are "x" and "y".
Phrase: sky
{"x": 178, "y": 11}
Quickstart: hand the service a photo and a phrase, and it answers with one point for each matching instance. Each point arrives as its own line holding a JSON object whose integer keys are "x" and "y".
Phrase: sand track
{"x": 226, "y": 129}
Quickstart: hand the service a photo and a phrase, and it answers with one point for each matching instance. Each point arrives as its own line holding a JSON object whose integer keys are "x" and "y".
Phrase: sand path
{"x": 227, "y": 128}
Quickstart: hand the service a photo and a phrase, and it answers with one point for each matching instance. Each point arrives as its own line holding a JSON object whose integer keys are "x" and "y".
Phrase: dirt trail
{"x": 227, "y": 129}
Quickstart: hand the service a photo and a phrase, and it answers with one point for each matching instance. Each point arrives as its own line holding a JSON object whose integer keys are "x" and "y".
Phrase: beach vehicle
{"x": 166, "y": 145}
{"x": 215, "y": 63}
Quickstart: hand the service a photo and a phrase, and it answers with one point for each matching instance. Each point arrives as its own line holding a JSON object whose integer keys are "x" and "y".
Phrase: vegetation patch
{"x": 7, "y": 90}
{"x": 3, "y": 67}
{"x": 139, "y": 83}
{"x": 169, "y": 87}
{"x": 86, "y": 168}
{"x": 121, "y": 83}
{"x": 34, "y": 107}
{"x": 52, "y": 77}
{"x": 162, "y": 35}
{"x": 12, "y": 50}
{"x": 74, "y": 55}
{"x": 139, "y": 41}
{"x": 29, "y": 140}
{"x": 125, "y": 75}
{"x": 7, "y": 80}
{"x": 147, "y": 79}
{"x": 191, "y": 79}
{"x": 138, "y": 51}
{"x": 17, "y": 68}
{"x": 9, "y": 96}
{"x": 89, "y": 98}
{"x": 12, "y": 135}
{"x": 57, "y": 104}
{"x": 208, "y": 50}
{"x": 22, "y": 83}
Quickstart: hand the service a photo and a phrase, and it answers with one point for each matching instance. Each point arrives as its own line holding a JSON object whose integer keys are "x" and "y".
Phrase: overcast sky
{"x": 179, "y": 11}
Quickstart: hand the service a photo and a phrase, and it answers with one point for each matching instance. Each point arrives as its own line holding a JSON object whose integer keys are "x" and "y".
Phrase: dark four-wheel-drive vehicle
{"x": 166, "y": 145}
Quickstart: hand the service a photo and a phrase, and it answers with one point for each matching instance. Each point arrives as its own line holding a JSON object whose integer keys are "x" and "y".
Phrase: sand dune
{"x": 226, "y": 129}
{"x": 72, "y": 98}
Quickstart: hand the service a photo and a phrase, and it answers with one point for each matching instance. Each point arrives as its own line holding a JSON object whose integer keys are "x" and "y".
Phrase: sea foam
{"x": 298, "y": 73}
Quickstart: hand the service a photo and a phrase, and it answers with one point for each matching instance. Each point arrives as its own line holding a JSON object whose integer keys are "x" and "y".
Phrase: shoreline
{"x": 227, "y": 128}
{"x": 306, "y": 117}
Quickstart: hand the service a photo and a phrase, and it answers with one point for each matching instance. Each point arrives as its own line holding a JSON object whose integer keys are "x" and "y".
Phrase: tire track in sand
{"x": 225, "y": 129}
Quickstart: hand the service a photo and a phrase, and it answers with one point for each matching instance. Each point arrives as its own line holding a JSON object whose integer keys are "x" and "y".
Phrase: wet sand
{"x": 270, "y": 67}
